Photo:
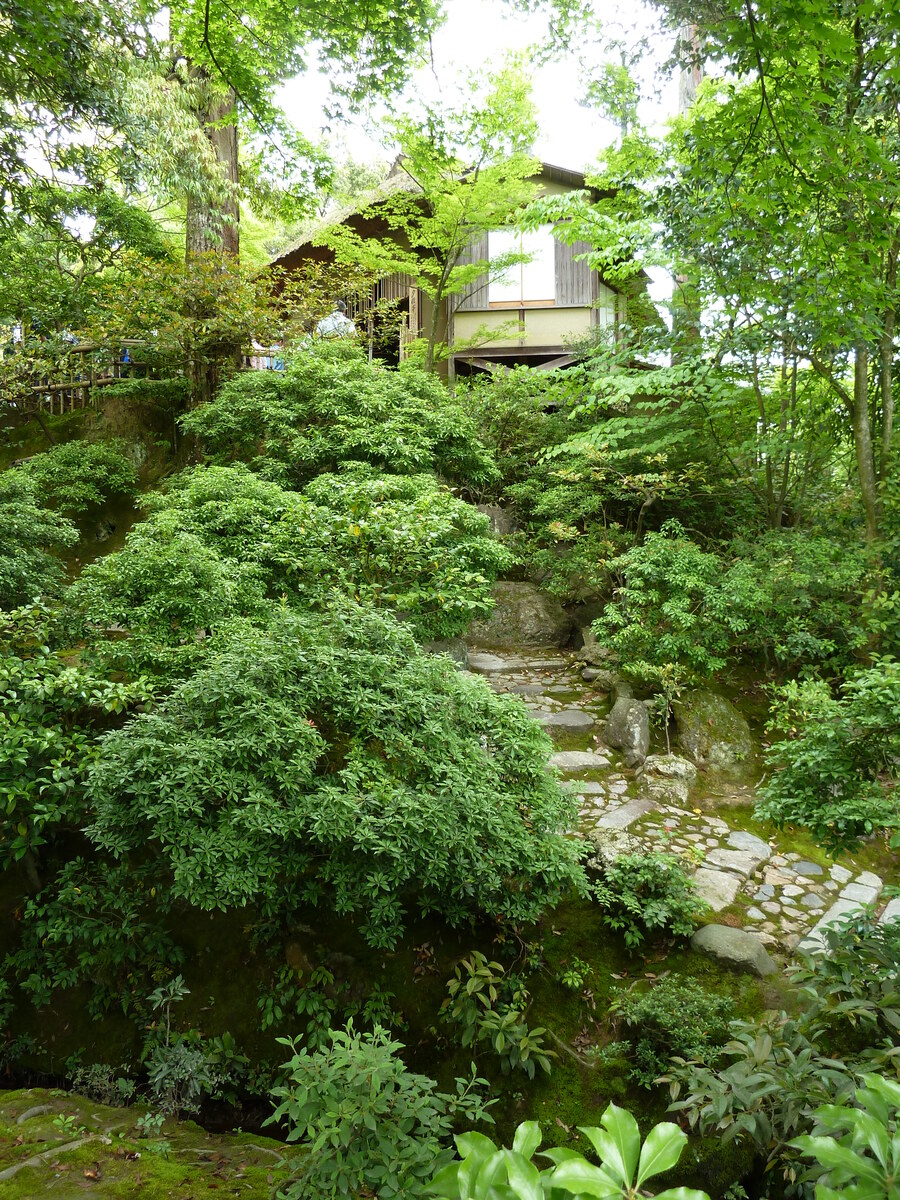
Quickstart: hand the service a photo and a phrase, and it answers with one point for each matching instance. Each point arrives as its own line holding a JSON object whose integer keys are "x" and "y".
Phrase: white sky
{"x": 479, "y": 32}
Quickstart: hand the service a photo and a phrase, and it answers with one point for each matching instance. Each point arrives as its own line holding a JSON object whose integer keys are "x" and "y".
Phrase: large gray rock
{"x": 455, "y": 648}
{"x": 628, "y": 729}
{"x": 666, "y": 778}
{"x": 568, "y": 718}
{"x": 711, "y": 731}
{"x": 735, "y": 948}
{"x": 523, "y": 616}
{"x": 591, "y": 651}
{"x": 503, "y": 520}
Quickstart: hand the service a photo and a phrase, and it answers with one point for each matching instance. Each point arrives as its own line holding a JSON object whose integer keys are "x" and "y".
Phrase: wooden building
{"x": 531, "y": 315}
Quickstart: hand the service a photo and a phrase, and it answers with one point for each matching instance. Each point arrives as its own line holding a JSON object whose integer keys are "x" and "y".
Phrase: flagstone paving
{"x": 782, "y": 897}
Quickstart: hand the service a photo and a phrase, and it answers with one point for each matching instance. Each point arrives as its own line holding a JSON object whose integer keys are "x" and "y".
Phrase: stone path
{"x": 781, "y": 897}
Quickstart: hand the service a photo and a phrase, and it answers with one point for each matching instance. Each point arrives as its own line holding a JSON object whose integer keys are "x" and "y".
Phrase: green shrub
{"x": 328, "y": 754}
{"x": 29, "y": 536}
{"x": 648, "y": 894}
{"x": 366, "y": 1124}
{"x": 331, "y": 406}
{"x": 161, "y": 594}
{"x": 670, "y": 1017}
{"x": 75, "y": 477}
{"x": 52, "y": 711}
{"x": 489, "y": 1009}
{"x": 775, "y": 1073}
{"x": 835, "y": 772}
{"x": 220, "y": 538}
{"x": 787, "y": 597}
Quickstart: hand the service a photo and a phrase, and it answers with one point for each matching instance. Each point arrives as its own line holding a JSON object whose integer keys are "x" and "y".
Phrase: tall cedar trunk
{"x": 887, "y": 391}
{"x": 862, "y": 438}
{"x": 214, "y": 231}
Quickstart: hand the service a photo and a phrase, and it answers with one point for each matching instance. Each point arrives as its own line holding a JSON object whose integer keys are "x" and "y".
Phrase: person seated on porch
{"x": 337, "y": 324}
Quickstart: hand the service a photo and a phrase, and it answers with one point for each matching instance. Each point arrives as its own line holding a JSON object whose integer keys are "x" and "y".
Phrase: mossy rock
{"x": 62, "y": 1145}
{"x": 711, "y": 731}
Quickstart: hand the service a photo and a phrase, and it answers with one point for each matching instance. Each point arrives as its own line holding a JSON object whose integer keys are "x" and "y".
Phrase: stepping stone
{"x": 736, "y": 948}
{"x": 487, "y": 663}
{"x": 738, "y": 839}
{"x": 804, "y": 867}
{"x": 772, "y": 907}
{"x": 589, "y": 787}
{"x": 621, "y": 818}
{"x": 814, "y": 942}
{"x": 841, "y": 874}
{"x": 812, "y": 900}
{"x": 891, "y": 912}
{"x": 526, "y": 689}
{"x": 743, "y": 862}
{"x": 568, "y": 718}
{"x": 870, "y": 879}
{"x": 792, "y": 889}
{"x": 718, "y": 888}
{"x": 755, "y": 914}
{"x": 579, "y": 760}
{"x": 765, "y": 891}
{"x": 859, "y": 891}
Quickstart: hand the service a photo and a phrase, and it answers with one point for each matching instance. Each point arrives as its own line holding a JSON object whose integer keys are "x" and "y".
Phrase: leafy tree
{"x": 331, "y": 752}
{"x": 462, "y": 172}
{"x": 29, "y": 534}
{"x": 784, "y": 180}
{"x": 332, "y": 406}
{"x": 364, "y": 1121}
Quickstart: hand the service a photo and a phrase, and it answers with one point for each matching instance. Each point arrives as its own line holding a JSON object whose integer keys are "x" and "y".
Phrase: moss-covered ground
{"x": 60, "y": 1145}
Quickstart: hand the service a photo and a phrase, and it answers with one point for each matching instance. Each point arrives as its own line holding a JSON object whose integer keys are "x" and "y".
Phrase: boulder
{"x": 735, "y": 948}
{"x": 454, "y": 648}
{"x": 711, "y": 731}
{"x": 503, "y": 520}
{"x": 628, "y": 729}
{"x": 523, "y": 616}
{"x": 590, "y": 650}
{"x": 667, "y": 778}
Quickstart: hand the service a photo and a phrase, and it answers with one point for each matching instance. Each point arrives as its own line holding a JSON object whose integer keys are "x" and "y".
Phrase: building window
{"x": 531, "y": 282}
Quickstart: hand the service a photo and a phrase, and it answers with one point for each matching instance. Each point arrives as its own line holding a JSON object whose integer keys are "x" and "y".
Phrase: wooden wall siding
{"x": 573, "y": 276}
{"x": 477, "y": 295}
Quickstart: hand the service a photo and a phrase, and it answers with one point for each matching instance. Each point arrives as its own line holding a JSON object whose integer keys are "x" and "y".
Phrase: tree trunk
{"x": 887, "y": 393}
{"x": 217, "y": 230}
{"x": 214, "y": 230}
{"x": 862, "y": 439}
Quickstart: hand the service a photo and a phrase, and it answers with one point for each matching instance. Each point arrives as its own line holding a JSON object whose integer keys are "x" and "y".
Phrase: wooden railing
{"x": 88, "y": 367}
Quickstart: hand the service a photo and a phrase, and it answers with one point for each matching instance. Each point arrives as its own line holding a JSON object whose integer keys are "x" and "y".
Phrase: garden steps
{"x": 788, "y": 900}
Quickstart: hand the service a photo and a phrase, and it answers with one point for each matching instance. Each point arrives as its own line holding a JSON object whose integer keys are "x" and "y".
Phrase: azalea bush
{"x": 221, "y": 539}
{"x": 648, "y": 894}
{"x": 332, "y": 406}
{"x": 31, "y": 537}
{"x": 328, "y": 754}
{"x": 51, "y": 713}
{"x": 77, "y": 477}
